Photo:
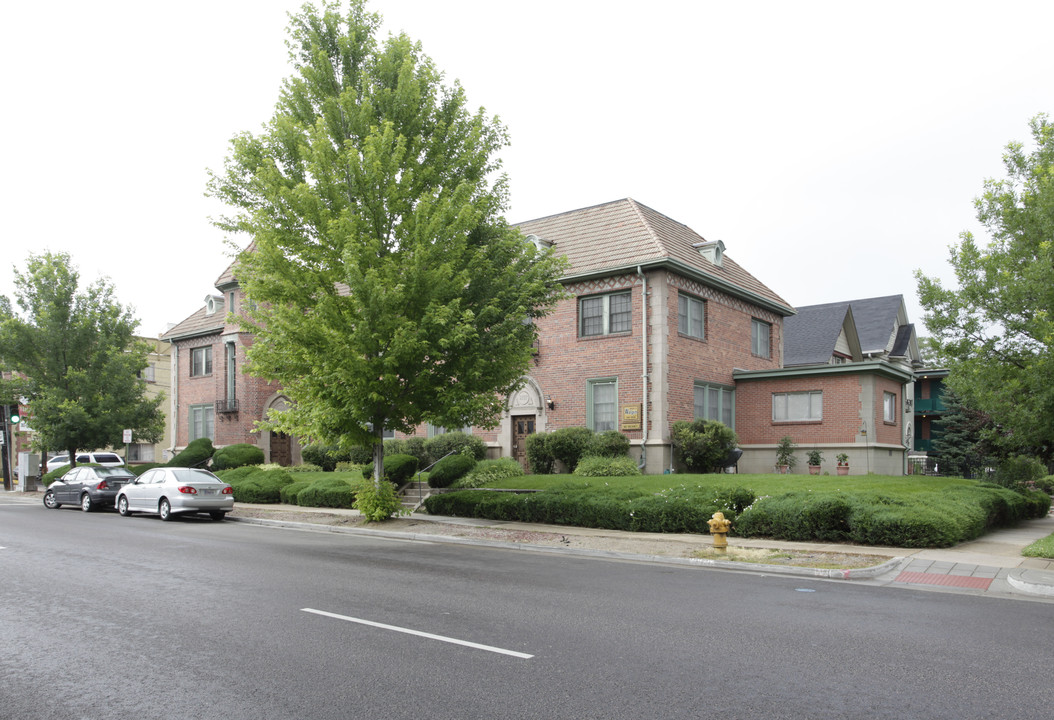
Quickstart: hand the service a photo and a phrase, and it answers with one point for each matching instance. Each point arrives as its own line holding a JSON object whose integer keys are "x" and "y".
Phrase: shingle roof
{"x": 876, "y": 318}
{"x": 624, "y": 233}
{"x": 809, "y": 337}
{"x": 199, "y": 323}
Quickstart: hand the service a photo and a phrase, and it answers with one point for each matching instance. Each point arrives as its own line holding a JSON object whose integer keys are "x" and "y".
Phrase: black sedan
{"x": 90, "y": 487}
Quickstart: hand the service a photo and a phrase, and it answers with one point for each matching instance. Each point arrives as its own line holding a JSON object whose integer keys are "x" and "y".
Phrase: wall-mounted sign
{"x": 631, "y": 415}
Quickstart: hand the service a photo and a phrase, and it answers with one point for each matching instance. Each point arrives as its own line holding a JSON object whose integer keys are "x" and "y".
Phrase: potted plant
{"x": 843, "y": 463}
{"x": 815, "y": 458}
{"x": 785, "y": 459}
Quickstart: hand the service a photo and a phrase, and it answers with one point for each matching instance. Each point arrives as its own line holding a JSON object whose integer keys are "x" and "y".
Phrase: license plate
{"x": 206, "y": 491}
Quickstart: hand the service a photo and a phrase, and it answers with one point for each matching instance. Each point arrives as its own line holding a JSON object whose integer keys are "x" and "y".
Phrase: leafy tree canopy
{"x": 76, "y": 360}
{"x": 386, "y": 288}
{"x": 996, "y": 329}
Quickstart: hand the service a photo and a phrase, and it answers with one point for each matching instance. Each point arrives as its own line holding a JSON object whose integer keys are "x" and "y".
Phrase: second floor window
{"x": 889, "y": 407}
{"x": 201, "y": 361}
{"x": 760, "y": 335}
{"x": 690, "y": 316}
{"x": 604, "y": 314}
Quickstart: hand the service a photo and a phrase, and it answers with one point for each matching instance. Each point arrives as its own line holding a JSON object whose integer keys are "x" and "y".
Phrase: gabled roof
{"x": 810, "y": 337}
{"x": 618, "y": 236}
{"x": 880, "y": 325}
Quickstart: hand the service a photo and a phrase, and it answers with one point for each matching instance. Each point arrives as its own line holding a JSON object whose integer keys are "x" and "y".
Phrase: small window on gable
{"x": 760, "y": 338}
{"x": 210, "y": 306}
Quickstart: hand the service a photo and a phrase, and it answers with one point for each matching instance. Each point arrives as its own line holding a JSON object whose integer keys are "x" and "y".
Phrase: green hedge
{"x": 253, "y": 485}
{"x": 330, "y": 492}
{"x": 195, "y": 454}
{"x": 233, "y": 456}
{"x": 289, "y": 493}
{"x": 449, "y": 469}
{"x": 489, "y": 471}
{"x": 398, "y": 469}
{"x": 592, "y": 466}
{"x": 925, "y": 519}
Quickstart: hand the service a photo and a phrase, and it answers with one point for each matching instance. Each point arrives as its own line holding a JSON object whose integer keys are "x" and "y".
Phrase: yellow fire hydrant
{"x": 719, "y": 527}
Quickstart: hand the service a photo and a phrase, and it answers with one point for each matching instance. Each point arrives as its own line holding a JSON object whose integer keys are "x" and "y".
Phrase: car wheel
{"x": 86, "y": 504}
{"x": 50, "y": 502}
{"x": 122, "y": 506}
{"x": 217, "y": 515}
{"x": 164, "y": 509}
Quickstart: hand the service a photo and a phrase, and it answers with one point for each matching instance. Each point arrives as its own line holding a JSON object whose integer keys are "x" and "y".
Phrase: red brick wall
{"x": 888, "y": 432}
{"x": 726, "y": 345}
{"x": 841, "y": 410}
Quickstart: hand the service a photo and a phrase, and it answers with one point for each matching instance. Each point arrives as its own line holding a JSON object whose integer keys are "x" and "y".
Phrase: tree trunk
{"x": 378, "y": 455}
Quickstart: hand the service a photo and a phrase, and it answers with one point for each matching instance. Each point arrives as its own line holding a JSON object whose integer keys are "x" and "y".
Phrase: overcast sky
{"x": 834, "y": 147}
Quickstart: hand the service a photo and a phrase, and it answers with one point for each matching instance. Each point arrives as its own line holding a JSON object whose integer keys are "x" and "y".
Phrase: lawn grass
{"x": 761, "y": 484}
{"x": 1043, "y": 548}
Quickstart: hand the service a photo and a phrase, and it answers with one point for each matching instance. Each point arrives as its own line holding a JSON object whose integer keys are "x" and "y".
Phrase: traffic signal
{"x": 15, "y": 418}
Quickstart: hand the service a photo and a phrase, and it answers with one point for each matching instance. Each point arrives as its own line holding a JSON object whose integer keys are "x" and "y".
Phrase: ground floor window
{"x": 889, "y": 407}
{"x": 434, "y": 430}
{"x": 715, "y": 402}
{"x": 140, "y": 452}
{"x": 602, "y": 404}
{"x": 797, "y": 406}
{"x": 202, "y": 422}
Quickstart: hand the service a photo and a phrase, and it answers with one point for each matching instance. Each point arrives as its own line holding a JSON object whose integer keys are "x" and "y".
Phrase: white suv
{"x": 106, "y": 459}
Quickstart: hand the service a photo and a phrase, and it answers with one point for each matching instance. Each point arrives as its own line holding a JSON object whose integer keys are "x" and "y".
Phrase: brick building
{"x": 661, "y": 325}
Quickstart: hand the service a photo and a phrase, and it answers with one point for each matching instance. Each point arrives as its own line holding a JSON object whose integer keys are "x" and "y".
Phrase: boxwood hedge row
{"x": 927, "y": 519}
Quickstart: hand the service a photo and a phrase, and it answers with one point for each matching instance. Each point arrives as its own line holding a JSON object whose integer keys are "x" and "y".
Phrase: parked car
{"x": 89, "y": 487}
{"x": 168, "y": 491}
{"x": 106, "y": 459}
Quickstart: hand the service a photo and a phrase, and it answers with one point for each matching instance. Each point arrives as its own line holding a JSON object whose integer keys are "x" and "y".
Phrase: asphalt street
{"x": 110, "y": 617}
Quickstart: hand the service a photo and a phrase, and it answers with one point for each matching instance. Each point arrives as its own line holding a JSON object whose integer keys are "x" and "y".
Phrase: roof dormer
{"x": 713, "y": 252}
{"x": 539, "y": 243}
{"x": 212, "y": 304}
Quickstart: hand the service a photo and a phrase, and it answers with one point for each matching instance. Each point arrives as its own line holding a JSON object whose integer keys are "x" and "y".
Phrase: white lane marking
{"x": 418, "y": 633}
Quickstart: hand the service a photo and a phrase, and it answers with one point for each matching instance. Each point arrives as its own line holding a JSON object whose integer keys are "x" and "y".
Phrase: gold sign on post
{"x": 631, "y": 416}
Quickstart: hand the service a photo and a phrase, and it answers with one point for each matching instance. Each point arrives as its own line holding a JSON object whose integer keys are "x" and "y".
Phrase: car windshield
{"x": 194, "y": 475}
{"x": 103, "y": 457}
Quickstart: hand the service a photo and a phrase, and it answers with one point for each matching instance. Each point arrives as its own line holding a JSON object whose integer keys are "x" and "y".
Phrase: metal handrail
{"x": 417, "y": 475}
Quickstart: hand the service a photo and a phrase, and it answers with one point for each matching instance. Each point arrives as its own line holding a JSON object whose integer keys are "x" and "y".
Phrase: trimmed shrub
{"x": 325, "y": 456}
{"x": 195, "y": 454}
{"x": 406, "y": 446}
{"x": 449, "y": 469}
{"x": 538, "y": 456}
{"x": 1046, "y": 484}
{"x": 1019, "y": 470}
{"x": 610, "y": 444}
{"x": 253, "y": 485}
{"x": 398, "y": 469}
{"x": 569, "y": 444}
{"x": 490, "y": 471}
{"x": 702, "y": 445}
{"x": 457, "y": 442}
{"x": 233, "y": 456}
{"x": 329, "y": 492}
{"x": 304, "y": 467}
{"x": 289, "y": 493}
{"x": 594, "y": 466}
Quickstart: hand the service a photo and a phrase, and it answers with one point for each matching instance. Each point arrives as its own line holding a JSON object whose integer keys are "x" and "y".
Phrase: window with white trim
{"x": 691, "y": 316}
{"x": 715, "y": 402}
{"x": 797, "y": 406}
{"x": 201, "y": 361}
{"x": 434, "y": 430}
{"x": 202, "y": 422}
{"x": 148, "y": 374}
{"x": 140, "y": 452}
{"x": 760, "y": 338}
{"x": 602, "y": 404}
{"x": 605, "y": 314}
{"x": 889, "y": 407}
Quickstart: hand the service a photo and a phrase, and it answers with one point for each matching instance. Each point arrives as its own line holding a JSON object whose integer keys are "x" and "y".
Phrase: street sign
{"x": 127, "y": 437}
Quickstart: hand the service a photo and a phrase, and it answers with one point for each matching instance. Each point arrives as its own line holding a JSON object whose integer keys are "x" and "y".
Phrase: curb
{"x": 1033, "y": 582}
{"x": 819, "y": 573}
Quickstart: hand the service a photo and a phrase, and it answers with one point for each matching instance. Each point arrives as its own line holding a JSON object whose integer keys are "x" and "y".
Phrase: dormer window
{"x": 714, "y": 252}
{"x": 539, "y": 243}
{"x": 210, "y": 306}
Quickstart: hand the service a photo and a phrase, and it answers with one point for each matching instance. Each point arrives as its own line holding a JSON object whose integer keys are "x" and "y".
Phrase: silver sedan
{"x": 168, "y": 491}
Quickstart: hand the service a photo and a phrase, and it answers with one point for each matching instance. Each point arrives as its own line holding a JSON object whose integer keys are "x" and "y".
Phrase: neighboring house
{"x": 158, "y": 377}
{"x": 929, "y": 410}
{"x": 211, "y": 395}
{"x": 661, "y": 325}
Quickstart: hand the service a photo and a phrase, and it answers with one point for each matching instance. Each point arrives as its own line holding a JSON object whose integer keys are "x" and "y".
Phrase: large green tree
{"x": 386, "y": 288}
{"x": 76, "y": 359}
{"x": 996, "y": 329}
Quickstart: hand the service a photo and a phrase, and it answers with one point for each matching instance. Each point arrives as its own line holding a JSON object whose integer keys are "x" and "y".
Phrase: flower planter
{"x": 783, "y": 469}
{"x": 814, "y": 469}
{"x": 843, "y": 469}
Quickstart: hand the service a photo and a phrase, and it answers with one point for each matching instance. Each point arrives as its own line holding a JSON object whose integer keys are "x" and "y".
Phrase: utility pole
{"x": 4, "y": 446}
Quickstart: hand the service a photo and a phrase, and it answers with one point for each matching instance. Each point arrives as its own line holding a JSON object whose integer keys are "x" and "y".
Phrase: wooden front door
{"x": 522, "y": 426}
{"x": 281, "y": 449}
